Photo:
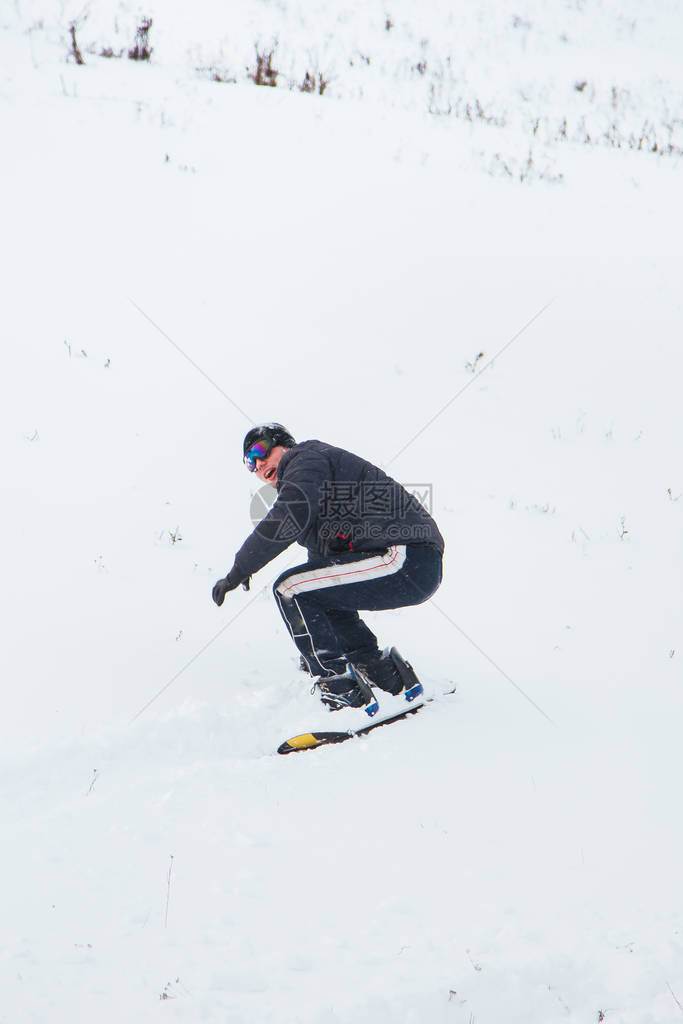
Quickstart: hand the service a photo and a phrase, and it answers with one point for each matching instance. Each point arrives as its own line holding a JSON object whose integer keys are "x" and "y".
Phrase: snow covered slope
{"x": 183, "y": 256}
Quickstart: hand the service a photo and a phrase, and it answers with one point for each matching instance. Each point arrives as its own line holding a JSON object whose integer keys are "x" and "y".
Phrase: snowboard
{"x": 311, "y": 740}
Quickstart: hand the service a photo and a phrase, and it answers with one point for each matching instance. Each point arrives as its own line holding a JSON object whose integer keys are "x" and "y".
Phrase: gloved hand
{"x": 230, "y": 582}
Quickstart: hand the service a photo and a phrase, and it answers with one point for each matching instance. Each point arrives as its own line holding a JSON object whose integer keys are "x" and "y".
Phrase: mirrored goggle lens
{"x": 257, "y": 451}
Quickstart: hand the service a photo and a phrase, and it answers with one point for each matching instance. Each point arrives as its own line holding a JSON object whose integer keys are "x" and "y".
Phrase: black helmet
{"x": 273, "y": 433}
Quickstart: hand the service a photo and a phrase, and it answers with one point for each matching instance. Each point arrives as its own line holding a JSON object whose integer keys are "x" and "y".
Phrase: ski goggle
{"x": 260, "y": 450}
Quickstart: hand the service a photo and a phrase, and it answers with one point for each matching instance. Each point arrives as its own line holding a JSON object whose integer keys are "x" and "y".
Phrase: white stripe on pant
{"x": 373, "y": 568}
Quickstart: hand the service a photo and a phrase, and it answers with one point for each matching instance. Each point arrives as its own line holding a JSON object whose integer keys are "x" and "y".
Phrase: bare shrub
{"x": 314, "y": 82}
{"x": 217, "y": 73}
{"x": 141, "y": 50}
{"x": 264, "y": 73}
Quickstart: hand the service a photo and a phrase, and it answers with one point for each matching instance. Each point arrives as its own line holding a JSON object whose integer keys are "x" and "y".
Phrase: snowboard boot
{"x": 348, "y": 690}
{"x": 393, "y": 674}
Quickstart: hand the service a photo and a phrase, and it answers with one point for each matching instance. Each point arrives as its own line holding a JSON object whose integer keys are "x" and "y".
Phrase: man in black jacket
{"x": 371, "y": 546}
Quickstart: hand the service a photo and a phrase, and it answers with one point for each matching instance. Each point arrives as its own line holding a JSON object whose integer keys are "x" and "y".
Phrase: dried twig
{"x": 75, "y": 52}
{"x": 168, "y": 891}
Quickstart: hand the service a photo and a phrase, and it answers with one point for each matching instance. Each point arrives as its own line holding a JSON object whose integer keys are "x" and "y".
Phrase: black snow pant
{"x": 320, "y": 600}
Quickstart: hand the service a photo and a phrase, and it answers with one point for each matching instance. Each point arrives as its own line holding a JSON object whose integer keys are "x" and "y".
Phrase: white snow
{"x": 182, "y": 257}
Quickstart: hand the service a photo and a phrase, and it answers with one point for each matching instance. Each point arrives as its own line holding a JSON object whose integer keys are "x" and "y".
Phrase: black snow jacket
{"x": 331, "y": 502}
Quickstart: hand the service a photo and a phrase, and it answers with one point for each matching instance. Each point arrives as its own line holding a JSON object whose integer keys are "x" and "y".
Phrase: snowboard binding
{"x": 412, "y": 687}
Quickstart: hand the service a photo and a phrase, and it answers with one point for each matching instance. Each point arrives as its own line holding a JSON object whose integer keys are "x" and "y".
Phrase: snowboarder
{"x": 371, "y": 546}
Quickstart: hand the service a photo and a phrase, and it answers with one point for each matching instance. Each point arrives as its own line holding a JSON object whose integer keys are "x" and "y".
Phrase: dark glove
{"x": 230, "y": 582}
